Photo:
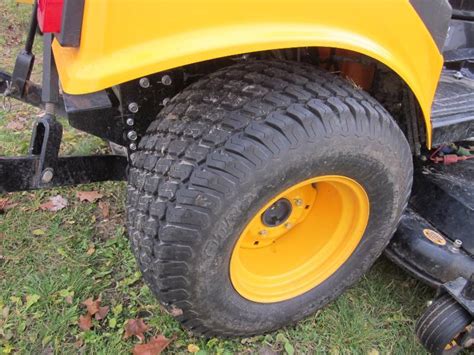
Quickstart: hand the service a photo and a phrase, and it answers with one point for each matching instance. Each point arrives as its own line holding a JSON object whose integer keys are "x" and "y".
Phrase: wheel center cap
{"x": 277, "y": 213}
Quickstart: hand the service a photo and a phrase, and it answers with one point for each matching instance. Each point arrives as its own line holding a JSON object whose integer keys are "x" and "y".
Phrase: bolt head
{"x": 166, "y": 80}
{"x": 132, "y": 146}
{"x": 288, "y": 225}
{"x": 133, "y": 107}
{"x": 299, "y": 202}
{"x": 165, "y": 101}
{"x": 429, "y": 303}
{"x": 144, "y": 83}
{"x": 47, "y": 176}
{"x": 132, "y": 135}
{"x": 130, "y": 121}
{"x": 457, "y": 243}
{"x": 263, "y": 232}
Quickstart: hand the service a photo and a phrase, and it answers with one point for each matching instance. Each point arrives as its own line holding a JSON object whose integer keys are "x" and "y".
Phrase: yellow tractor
{"x": 269, "y": 147}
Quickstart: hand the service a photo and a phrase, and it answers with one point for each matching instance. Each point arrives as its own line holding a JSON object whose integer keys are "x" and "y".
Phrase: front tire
{"x": 222, "y": 153}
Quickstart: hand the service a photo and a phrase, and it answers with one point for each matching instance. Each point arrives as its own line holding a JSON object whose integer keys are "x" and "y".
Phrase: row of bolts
{"x": 133, "y": 108}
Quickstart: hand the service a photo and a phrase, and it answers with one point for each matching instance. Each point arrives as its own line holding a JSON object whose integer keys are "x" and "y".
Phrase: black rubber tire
{"x": 220, "y": 150}
{"x": 442, "y": 322}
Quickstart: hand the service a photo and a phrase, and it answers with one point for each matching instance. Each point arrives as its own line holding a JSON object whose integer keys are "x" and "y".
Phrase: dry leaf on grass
{"x": 193, "y": 348}
{"x": 102, "y": 313}
{"x": 92, "y": 306}
{"x": 5, "y": 205}
{"x": 135, "y": 327}
{"x": 54, "y": 204}
{"x": 104, "y": 209}
{"x": 15, "y": 126}
{"x": 85, "y": 322}
{"x": 154, "y": 347}
{"x": 93, "y": 310}
{"x": 89, "y": 196}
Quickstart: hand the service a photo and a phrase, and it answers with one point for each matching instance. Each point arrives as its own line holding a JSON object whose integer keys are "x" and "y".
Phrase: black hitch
{"x": 45, "y": 143}
{"x": 44, "y": 168}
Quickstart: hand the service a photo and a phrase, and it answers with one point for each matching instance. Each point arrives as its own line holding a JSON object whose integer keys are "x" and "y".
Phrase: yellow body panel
{"x": 126, "y": 39}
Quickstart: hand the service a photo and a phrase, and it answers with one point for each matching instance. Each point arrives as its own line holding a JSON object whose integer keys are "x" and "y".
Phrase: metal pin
{"x": 47, "y": 176}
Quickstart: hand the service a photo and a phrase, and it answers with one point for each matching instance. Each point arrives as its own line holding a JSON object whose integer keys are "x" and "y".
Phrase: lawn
{"x": 52, "y": 261}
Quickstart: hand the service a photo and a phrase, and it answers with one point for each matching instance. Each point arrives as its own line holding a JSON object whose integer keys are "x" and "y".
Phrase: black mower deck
{"x": 435, "y": 239}
{"x": 452, "y": 112}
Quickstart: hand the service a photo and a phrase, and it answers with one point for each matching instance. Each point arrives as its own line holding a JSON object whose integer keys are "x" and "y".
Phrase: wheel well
{"x": 367, "y": 73}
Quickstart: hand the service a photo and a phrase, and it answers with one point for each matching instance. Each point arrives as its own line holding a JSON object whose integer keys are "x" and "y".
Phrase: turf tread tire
{"x": 441, "y": 322}
{"x": 212, "y": 138}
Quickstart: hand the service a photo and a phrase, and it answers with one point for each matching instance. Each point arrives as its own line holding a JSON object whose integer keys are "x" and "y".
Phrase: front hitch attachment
{"x": 45, "y": 142}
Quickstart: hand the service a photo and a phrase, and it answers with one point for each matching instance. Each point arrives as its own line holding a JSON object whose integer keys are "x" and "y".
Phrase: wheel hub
{"x": 299, "y": 238}
{"x": 277, "y": 213}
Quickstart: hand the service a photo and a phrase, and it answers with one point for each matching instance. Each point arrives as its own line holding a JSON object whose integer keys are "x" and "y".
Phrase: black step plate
{"x": 452, "y": 112}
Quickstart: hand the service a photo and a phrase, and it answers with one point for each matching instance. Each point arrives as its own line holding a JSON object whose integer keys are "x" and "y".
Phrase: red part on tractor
{"x": 49, "y": 15}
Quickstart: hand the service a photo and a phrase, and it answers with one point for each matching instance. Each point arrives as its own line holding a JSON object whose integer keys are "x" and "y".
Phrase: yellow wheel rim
{"x": 299, "y": 239}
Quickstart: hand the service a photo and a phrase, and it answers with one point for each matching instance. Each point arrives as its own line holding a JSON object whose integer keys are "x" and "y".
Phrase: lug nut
{"x": 47, "y": 176}
{"x": 144, "y": 83}
{"x": 166, "y": 80}
{"x": 458, "y": 243}
{"x": 132, "y": 135}
{"x": 165, "y": 101}
{"x": 263, "y": 232}
{"x": 133, "y": 107}
{"x": 130, "y": 121}
{"x": 132, "y": 146}
{"x": 299, "y": 202}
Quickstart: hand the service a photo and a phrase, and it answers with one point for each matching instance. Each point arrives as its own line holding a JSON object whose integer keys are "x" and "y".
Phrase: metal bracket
{"x": 45, "y": 142}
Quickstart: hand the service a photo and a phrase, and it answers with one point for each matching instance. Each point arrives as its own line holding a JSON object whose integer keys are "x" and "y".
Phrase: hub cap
{"x": 299, "y": 239}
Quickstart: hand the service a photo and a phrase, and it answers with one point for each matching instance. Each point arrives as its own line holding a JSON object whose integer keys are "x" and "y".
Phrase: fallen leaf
{"x": 31, "y": 300}
{"x": 5, "y": 205}
{"x": 90, "y": 196}
{"x": 135, "y": 327}
{"x": 38, "y": 232}
{"x": 5, "y": 312}
{"x": 91, "y": 250}
{"x": 54, "y": 204}
{"x": 154, "y": 347}
{"x": 92, "y": 306}
{"x": 15, "y": 126}
{"x": 85, "y": 322}
{"x": 68, "y": 299}
{"x": 102, "y": 313}
{"x": 193, "y": 348}
{"x": 175, "y": 311}
{"x": 78, "y": 344}
{"x": 104, "y": 209}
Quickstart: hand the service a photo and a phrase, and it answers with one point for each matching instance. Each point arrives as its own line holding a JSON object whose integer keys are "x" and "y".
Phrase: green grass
{"x": 44, "y": 263}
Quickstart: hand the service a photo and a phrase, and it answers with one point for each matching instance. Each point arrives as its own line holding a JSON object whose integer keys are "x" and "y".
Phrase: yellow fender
{"x": 123, "y": 40}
